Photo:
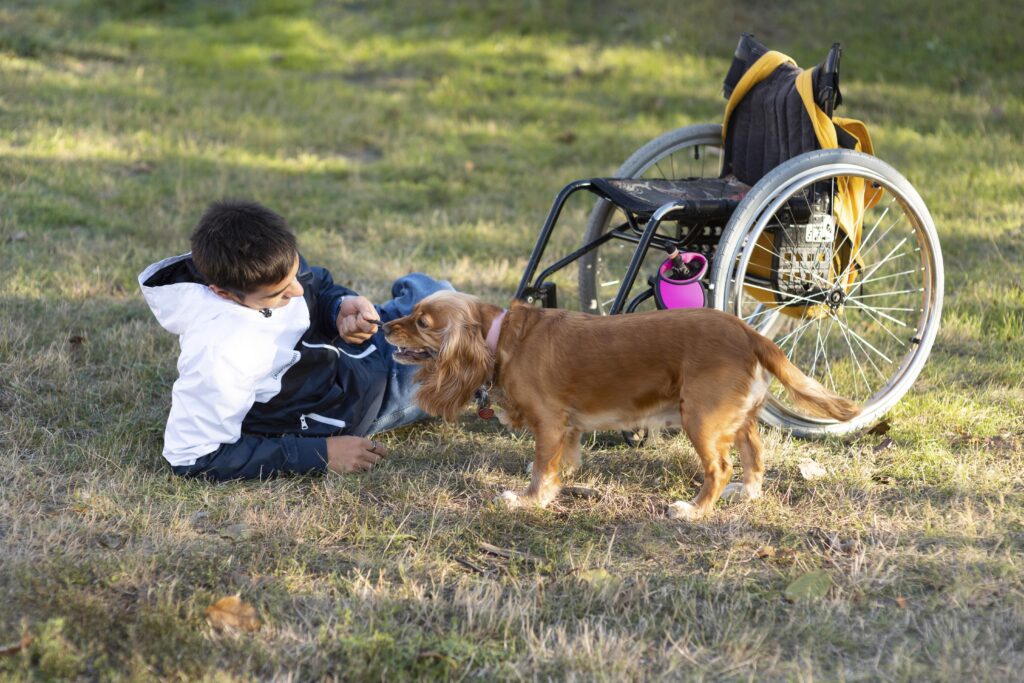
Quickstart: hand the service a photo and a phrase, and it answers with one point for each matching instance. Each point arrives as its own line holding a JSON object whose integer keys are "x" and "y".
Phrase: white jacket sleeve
{"x": 213, "y": 393}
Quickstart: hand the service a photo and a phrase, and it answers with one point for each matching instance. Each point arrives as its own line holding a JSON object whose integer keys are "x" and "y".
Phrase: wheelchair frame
{"x": 909, "y": 325}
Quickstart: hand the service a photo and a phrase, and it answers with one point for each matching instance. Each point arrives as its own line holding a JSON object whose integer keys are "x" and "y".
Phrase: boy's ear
{"x": 223, "y": 293}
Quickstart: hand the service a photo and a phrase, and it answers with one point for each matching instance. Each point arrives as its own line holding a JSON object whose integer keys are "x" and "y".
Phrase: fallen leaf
{"x": 111, "y": 541}
{"x": 880, "y": 429}
{"x": 232, "y": 614}
{"x": 901, "y": 602}
{"x": 811, "y": 586}
{"x": 765, "y": 552}
{"x": 15, "y": 648}
{"x": 886, "y": 444}
{"x": 811, "y": 470}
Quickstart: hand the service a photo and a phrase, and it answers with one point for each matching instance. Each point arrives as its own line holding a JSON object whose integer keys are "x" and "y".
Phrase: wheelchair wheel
{"x": 858, "y": 315}
{"x": 688, "y": 152}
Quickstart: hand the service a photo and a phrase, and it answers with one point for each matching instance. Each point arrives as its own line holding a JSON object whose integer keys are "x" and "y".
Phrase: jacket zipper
{"x": 319, "y": 418}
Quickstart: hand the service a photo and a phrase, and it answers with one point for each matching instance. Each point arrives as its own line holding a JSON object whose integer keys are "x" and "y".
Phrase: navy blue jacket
{"x": 258, "y": 395}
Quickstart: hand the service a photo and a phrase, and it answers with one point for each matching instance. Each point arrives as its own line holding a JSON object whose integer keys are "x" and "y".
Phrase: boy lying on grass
{"x": 281, "y": 369}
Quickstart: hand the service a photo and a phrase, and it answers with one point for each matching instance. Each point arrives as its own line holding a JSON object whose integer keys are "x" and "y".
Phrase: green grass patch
{"x": 429, "y": 136}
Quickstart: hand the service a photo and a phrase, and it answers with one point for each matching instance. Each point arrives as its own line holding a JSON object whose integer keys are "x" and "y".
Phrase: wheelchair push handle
{"x": 828, "y": 96}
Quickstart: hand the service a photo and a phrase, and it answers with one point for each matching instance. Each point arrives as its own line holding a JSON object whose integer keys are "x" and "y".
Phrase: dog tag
{"x": 485, "y": 413}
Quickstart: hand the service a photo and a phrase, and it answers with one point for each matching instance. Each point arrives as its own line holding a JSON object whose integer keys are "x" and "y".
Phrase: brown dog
{"x": 561, "y": 373}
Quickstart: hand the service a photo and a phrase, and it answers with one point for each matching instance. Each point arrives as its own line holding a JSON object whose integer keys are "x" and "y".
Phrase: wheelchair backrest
{"x": 770, "y": 123}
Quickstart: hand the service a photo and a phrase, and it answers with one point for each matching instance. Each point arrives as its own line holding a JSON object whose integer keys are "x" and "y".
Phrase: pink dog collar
{"x": 494, "y": 333}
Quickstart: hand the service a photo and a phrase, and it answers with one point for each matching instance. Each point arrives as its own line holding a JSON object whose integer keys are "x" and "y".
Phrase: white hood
{"x": 231, "y": 356}
{"x": 180, "y": 305}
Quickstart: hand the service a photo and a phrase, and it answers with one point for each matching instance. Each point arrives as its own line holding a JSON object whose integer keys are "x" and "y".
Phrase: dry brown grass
{"x": 119, "y": 121}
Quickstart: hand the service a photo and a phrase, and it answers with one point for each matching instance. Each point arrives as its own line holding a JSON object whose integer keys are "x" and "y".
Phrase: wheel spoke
{"x": 886, "y": 277}
{"x": 876, "y": 310}
{"x": 824, "y": 355}
{"x": 887, "y": 258}
{"x": 866, "y": 354}
{"x": 782, "y": 340}
{"x": 878, "y": 294}
{"x": 868, "y": 344}
{"x": 794, "y": 297}
{"x": 882, "y": 325}
{"x": 853, "y": 355}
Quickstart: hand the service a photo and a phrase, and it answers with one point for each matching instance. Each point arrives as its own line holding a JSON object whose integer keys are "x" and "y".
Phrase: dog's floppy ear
{"x": 462, "y": 364}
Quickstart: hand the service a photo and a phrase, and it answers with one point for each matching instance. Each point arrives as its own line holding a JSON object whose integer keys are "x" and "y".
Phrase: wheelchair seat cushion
{"x": 702, "y": 198}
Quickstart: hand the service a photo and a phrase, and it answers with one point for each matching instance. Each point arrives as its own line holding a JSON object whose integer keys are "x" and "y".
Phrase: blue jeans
{"x": 398, "y": 408}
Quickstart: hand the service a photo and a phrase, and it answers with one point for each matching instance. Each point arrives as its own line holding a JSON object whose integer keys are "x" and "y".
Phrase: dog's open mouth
{"x": 403, "y": 355}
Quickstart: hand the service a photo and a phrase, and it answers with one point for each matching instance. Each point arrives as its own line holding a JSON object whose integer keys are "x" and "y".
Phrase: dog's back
{"x": 617, "y": 372}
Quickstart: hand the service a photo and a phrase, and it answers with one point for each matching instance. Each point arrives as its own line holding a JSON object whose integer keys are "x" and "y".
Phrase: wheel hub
{"x": 835, "y": 299}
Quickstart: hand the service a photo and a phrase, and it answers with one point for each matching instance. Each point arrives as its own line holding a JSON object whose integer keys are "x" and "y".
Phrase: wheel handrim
{"x": 879, "y": 330}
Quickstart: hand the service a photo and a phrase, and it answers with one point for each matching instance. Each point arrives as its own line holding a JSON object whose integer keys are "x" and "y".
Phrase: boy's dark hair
{"x": 241, "y": 246}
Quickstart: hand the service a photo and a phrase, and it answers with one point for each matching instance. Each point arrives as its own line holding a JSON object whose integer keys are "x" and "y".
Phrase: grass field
{"x": 432, "y": 136}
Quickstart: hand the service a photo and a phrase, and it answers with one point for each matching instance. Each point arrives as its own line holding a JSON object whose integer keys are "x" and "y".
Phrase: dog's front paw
{"x": 508, "y": 500}
{"x": 737, "y": 492}
{"x": 682, "y": 509}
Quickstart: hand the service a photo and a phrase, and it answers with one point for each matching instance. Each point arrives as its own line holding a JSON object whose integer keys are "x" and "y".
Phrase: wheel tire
{"x": 640, "y": 164}
{"x": 750, "y": 219}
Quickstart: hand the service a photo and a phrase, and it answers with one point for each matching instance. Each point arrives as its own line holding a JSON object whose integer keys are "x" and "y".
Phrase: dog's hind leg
{"x": 571, "y": 459}
{"x": 712, "y": 446}
{"x": 751, "y": 455}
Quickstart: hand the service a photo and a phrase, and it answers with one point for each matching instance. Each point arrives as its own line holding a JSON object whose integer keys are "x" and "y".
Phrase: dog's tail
{"x": 805, "y": 391}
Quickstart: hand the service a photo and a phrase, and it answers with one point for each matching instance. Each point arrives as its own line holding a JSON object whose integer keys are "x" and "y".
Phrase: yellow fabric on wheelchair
{"x": 851, "y": 196}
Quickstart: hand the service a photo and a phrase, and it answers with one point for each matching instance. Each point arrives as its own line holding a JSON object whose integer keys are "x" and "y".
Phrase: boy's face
{"x": 276, "y": 295}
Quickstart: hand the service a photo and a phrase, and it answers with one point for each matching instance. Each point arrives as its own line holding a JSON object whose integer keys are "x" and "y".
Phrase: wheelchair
{"x": 792, "y": 225}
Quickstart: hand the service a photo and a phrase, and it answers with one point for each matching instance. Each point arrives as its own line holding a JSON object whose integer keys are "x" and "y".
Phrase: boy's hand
{"x": 357, "y": 319}
{"x": 347, "y": 454}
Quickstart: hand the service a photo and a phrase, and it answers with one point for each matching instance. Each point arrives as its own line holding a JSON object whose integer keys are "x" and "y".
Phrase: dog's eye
{"x": 421, "y": 323}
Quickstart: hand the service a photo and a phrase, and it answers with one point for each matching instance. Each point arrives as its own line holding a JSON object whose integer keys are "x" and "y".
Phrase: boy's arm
{"x": 211, "y": 397}
{"x": 328, "y": 298}
{"x": 254, "y": 457}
